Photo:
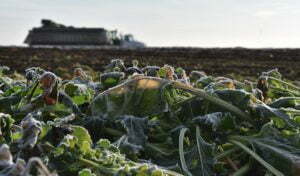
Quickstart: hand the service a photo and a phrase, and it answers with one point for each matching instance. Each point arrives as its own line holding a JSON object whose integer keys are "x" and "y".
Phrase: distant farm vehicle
{"x": 54, "y": 35}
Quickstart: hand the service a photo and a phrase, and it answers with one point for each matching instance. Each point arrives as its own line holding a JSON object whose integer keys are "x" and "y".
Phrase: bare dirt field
{"x": 216, "y": 61}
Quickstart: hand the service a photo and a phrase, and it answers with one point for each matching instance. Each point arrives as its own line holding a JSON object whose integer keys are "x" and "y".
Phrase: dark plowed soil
{"x": 216, "y": 61}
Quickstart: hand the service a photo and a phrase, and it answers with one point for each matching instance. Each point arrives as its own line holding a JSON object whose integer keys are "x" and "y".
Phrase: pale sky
{"x": 198, "y": 23}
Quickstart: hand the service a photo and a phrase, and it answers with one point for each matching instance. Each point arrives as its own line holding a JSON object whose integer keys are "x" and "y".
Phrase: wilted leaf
{"x": 139, "y": 97}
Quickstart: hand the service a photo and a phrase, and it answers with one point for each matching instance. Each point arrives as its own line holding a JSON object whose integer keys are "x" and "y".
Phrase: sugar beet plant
{"x": 151, "y": 121}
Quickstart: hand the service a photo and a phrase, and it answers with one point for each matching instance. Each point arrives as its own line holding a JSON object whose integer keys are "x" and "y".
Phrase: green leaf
{"x": 258, "y": 158}
{"x": 214, "y": 100}
{"x": 82, "y": 135}
{"x": 216, "y": 121}
{"x": 239, "y": 98}
{"x": 285, "y": 102}
{"x": 204, "y": 81}
{"x": 69, "y": 141}
{"x": 157, "y": 173}
{"x": 111, "y": 79}
{"x": 85, "y": 147}
{"x": 86, "y": 172}
{"x": 103, "y": 143}
{"x": 276, "y": 150}
{"x": 205, "y": 151}
{"x": 6, "y": 123}
{"x": 79, "y": 93}
{"x": 281, "y": 117}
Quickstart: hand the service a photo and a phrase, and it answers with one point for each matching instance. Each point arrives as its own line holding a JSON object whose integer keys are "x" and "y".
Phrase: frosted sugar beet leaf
{"x": 142, "y": 96}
